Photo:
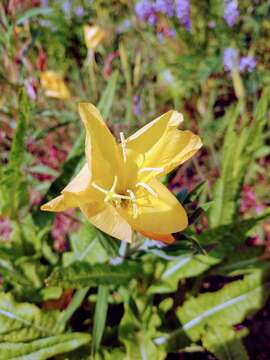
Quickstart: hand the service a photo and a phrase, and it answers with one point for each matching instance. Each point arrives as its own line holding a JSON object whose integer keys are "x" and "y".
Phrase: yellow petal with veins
{"x": 77, "y": 190}
{"x": 60, "y": 203}
{"x": 145, "y": 138}
{"x": 106, "y": 218}
{"x": 173, "y": 149}
{"x": 102, "y": 151}
{"x": 159, "y": 215}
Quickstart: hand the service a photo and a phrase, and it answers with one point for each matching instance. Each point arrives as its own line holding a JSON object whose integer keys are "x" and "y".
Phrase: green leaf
{"x": 106, "y": 100}
{"x": 81, "y": 274}
{"x": 85, "y": 246}
{"x": 13, "y": 187}
{"x": 24, "y": 321}
{"x": 240, "y": 263}
{"x": 100, "y": 316}
{"x": 224, "y": 344}
{"x": 174, "y": 271}
{"x": 43, "y": 349}
{"x": 75, "y": 303}
{"x": 137, "y": 335}
{"x": 32, "y": 13}
{"x": 239, "y": 151}
{"x": 225, "y": 238}
{"x": 228, "y": 306}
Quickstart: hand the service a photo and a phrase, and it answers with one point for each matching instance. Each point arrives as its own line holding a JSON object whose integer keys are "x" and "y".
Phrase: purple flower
{"x": 66, "y": 8}
{"x": 211, "y": 24}
{"x": 79, "y": 11}
{"x": 230, "y": 59}
{"x": 247, "y": 63}
{"x": 231, "y": 12}
{"x": 30, "y": 89}
{"x": 145, "y": 11}
{"x": 44, "y": 3}
{"x": 137, "y": 105}
{"x": 182, "y": 10}
{"x": 165, "y": 7}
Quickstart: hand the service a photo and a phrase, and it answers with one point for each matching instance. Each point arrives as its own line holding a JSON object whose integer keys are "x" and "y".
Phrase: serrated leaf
{"x": 224, "y": 344}
{"x": 228, "y": 306}
{"x": 43, "y": 349}
{"x": 81, "y": 274}
{"x": 239, "y": 151}
{"x": 137, "y": 335}
{"x": 187, "y": 267}
{"x": 24, "y": 321}
{"x": 13, "y": 187}
{"x": 85, "y": 247}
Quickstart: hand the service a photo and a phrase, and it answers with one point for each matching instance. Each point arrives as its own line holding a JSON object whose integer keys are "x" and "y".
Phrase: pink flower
{"x": 5, "y": 229}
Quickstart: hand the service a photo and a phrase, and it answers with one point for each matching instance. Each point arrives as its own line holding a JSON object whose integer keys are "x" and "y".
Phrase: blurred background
{"x": 135, "y": 60}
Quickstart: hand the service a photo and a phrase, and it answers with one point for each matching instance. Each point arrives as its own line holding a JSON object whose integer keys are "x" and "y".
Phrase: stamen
{"x": 99, "y": 188}
{"x": 123, "y": 144}
{"x": 122, "y": 197}
{"x": 147, "y": 187}
{"x": 134, "y": 203}
{"x": 160, "y": 169}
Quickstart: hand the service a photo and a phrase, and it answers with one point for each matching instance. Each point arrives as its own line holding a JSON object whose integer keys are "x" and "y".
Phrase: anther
{"x": 147, "y": 187}
{"x": 135, "y": 208}
{"x": 123, "y": 144}
{"x": 157, "y": 169}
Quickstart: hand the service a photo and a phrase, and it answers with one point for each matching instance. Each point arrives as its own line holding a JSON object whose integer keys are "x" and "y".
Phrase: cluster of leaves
{"x": 103, "y": 300}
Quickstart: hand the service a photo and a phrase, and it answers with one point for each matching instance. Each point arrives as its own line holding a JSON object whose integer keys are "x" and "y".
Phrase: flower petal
{"x": 102, "y": 151}
{"x": 158, "y": 215}
{"x": 166, "y": 238}
{"x": 77, "y": 191}
{"x": 173, "y": 149}
{"x": 145, "y": 138}
{"x": 106, "y": 218}
{"x": 60, "y": 203}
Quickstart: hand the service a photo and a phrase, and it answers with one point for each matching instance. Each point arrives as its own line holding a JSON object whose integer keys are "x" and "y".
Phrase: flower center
{"x": 111, "y": 196}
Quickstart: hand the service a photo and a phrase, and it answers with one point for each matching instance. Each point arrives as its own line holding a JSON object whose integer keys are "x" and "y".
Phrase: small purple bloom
{"x": 30, "y": 89}
{"x": 211, "y": 24}
{"x": 79, "y": 11}
{"x": 247, "y": 63}
{"x": 66, "y": 8}
{"x": 145, "y": 11}
{"x": 160, "y": 37}
{"x": 137, "y": 105}
{"x": 44, "y": 3}
{"x": 125, "y": 26}
{"x": 165, "y": 7}
{"x": 230, "y": 59}
{"x": 182, "y": 9}
{"x": 231, "y": 12}
{"x": 152, "y": 19}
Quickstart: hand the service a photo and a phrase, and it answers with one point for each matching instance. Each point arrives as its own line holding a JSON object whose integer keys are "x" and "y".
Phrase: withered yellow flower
{"x": 54, "y": 85}
{"x": 119, "y": 188}
{"x": 93, "y": 35}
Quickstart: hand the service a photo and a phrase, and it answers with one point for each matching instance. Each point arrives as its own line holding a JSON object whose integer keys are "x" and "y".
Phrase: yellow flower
{"x": 54, "y": 85}
{"x": 93, "y": 35}
{"x": 118, "y": 189}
